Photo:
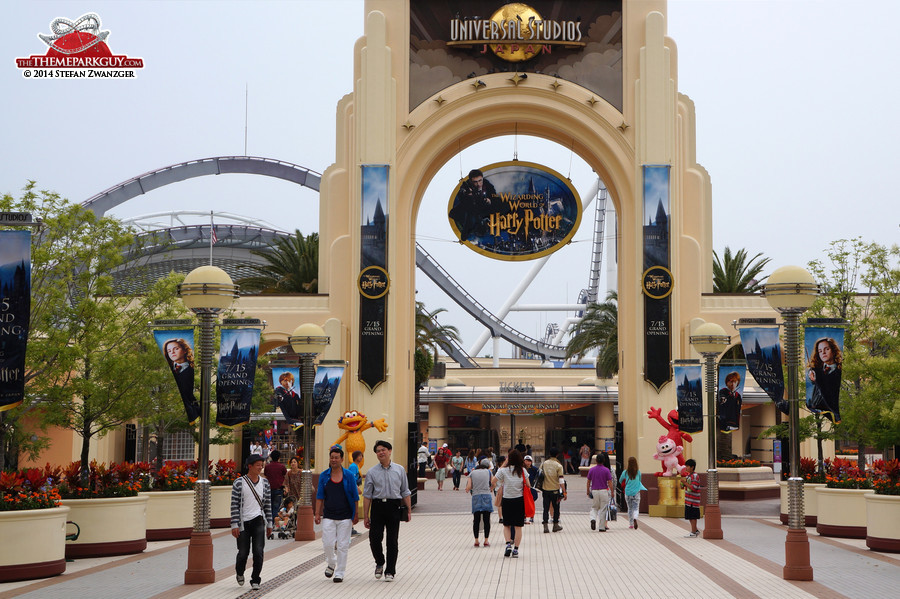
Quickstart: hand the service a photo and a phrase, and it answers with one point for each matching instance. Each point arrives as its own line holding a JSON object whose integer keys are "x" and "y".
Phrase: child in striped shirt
{"x": 691, "y": 485}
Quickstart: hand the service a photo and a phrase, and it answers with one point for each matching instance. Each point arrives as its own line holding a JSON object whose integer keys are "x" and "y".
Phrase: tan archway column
{"x": 604, "y": 424}
{"x": 437, "y": 423}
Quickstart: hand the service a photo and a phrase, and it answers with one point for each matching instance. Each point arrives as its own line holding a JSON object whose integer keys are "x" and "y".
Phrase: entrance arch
{"x": 376, "y": 127}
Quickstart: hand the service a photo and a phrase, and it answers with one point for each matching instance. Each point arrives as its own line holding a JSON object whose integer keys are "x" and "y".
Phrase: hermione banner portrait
{"x": 177, "y": 347}
{"x": 234, "y": 381}
{"x": 15, "y": 314}
{"x": 824, "y": 354}
{"x": 514, "y": 211}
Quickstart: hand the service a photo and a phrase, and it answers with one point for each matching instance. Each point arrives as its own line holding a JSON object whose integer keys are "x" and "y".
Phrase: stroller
{"x": 286, "y": 529}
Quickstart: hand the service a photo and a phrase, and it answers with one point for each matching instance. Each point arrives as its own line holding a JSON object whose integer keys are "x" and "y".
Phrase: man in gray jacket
{"x": 251, "y": 518}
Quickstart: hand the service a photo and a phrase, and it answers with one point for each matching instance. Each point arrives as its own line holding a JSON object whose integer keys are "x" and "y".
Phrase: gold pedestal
{"x": 671, "y": 498}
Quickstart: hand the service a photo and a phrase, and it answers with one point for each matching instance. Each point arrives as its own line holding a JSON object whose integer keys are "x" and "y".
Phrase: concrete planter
{"x": 842, "y": 512}
{"x": 170, "y": 515}
{"x": 34, "y": 543}
{"x": 109, "y": 526}
{"x": 810, "y": 502}
{"x": 219, "y": 507}
{"x": 883, "y": 522}
{"x": 755, "y": 482}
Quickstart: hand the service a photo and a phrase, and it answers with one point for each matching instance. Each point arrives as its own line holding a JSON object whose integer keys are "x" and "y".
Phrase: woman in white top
{"x": 511, "y": 478}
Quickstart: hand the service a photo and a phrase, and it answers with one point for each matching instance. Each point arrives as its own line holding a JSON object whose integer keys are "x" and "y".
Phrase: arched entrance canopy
{"x": 121, "y": 193}
{"x": 533, "y": 111}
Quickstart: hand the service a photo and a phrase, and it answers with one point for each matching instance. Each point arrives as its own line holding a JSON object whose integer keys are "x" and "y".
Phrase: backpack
{"x": 539, "y": 480}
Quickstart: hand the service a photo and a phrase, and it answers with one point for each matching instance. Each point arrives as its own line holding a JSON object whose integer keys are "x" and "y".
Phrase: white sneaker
{"x": 388, "y": 577}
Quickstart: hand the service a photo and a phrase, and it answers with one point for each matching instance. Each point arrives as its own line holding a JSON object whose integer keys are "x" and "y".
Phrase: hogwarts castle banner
{"x": 234, "y": 382}
{"x": 373, "y": 281}
{"x": 15, "y": 313}
{"x": 657, "y": 281}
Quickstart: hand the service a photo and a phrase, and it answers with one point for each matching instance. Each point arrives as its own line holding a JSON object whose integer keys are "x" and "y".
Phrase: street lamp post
{"x": 791, "y": 290}
{"x": 308, "y": 341}
{"x": 710, "y": 340}
{"x": 206, "y": 291}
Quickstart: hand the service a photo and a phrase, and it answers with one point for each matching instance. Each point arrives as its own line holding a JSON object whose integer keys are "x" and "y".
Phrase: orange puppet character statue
{"x": 354, "y": 423}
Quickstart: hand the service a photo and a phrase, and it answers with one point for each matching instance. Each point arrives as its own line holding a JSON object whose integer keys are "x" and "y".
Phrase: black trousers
{"x": 254, "y": 534}
{"x": 384, "y": 517}
{"x": 551, "y": 498}
{"x": 478, "y": 518}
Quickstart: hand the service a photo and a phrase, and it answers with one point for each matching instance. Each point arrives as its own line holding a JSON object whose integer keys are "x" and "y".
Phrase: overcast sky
{"x": 795, "y": 101}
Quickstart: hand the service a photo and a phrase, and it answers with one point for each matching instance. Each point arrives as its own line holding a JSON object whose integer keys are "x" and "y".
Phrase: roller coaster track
{"x": 220, "y": 165}
{"x": 467, "y": 302}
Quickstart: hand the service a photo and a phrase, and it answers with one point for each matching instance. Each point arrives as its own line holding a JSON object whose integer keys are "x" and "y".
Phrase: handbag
{"x": 529, "y": 499}
{"x": 611, "y": 510}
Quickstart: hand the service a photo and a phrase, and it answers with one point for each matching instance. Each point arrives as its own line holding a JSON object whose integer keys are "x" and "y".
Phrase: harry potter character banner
{"x": 373, "y": 281}
{"x": 824, "y": 352}
{"x": 328, "y": 378}
{"x": 657, "y": 281}
{"x": 514, "y": 211}
{"x": 15, "y": 314}
{"x": 762, "y": 350}
{"x": 689, "y": 392}
{"x": 234, "y": 381}
{"x": 576, "y": 40}
{"x": 287, "y": 382}
{"x": 729, "y": 399}
{"x": 177, "y": 347}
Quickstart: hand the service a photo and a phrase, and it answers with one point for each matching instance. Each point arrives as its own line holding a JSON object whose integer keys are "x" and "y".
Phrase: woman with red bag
{"x": 512, "y": 478}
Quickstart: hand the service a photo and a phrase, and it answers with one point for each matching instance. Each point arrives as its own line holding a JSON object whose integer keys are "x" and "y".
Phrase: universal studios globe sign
{"x": 514, "y": 211}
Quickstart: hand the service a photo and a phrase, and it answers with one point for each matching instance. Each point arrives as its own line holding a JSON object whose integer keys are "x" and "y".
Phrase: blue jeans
{"x": 254, "y": 534}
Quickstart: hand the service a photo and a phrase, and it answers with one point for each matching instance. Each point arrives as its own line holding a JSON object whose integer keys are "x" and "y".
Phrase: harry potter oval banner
{"x": 514, "y": 211}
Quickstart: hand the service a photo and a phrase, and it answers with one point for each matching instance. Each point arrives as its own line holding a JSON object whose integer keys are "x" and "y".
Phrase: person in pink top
{"x": 600, "y": 487}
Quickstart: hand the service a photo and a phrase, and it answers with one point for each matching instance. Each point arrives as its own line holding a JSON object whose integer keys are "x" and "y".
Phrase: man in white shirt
{"x": 251, "y": 518}
{"x": 422, "y": 458}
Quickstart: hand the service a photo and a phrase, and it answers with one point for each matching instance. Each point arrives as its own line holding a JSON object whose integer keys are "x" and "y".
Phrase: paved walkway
{"x": 437, "y": 560}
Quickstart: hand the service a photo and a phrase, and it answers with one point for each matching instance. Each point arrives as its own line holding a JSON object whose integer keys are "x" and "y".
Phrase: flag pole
{"x": 211, "y": 234}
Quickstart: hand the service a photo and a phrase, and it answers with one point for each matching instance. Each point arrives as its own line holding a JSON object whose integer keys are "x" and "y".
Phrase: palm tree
{"x": 429, "y": 336}
{"x": 292, "y": 266}
{"x": 599, "y": 328}
{"x": 737, "y": 274}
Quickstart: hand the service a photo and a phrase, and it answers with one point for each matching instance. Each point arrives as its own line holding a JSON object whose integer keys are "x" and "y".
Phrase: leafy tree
{"x": 735, "y": 273}
{"x": 599, "y": 328}
{"x": 814, "y": 426}
{"x": 85, "y": 369}
{"x": 870, "y": 400}
{"x": 292, "y": 266}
